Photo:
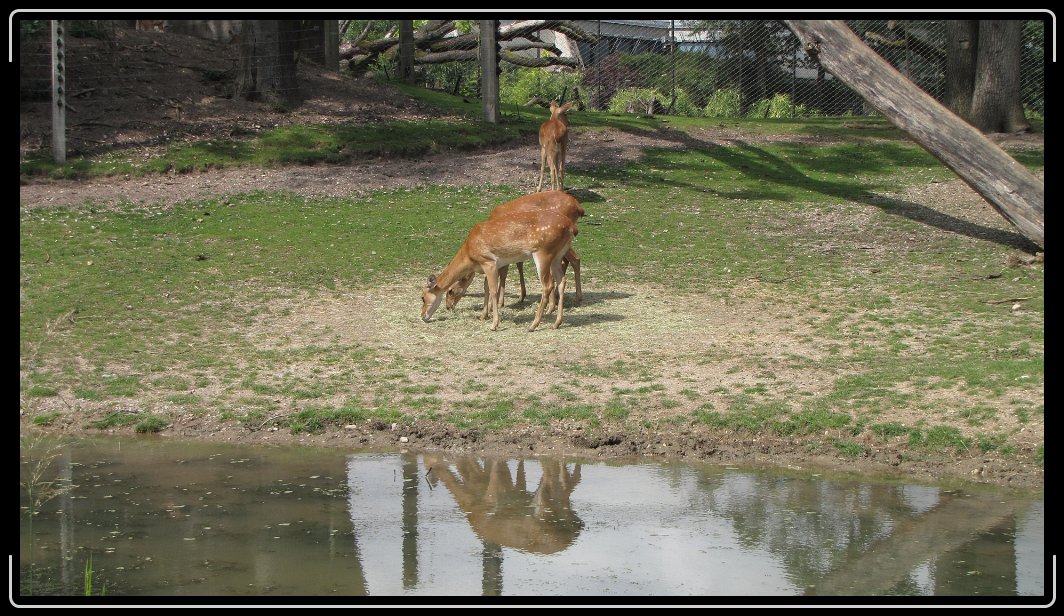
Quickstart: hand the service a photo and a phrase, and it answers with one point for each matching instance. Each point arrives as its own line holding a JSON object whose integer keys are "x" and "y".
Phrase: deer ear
{"x": 567, "y": 106}
{"x": 432, "y": 282}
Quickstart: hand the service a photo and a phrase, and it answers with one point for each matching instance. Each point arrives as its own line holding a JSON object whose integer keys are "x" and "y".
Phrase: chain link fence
{"x": 716, "y": 68}
{"x": 744, "y": 68}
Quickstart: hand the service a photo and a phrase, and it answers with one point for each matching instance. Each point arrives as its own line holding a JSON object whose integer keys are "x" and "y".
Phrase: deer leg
{"x": 521, "y": 271}
{"x": 503, "y": 271}
{"x": 489, "y": 297}
{"x": 562, "y": 146}
{"x": 548, "y": 287}
{"x": 492, "y": 276}
{"x": 572, "y": 258}
{"x": 556, "y": 273}
{"x": 553, "y": 162}
{"x": 542, "y": 164}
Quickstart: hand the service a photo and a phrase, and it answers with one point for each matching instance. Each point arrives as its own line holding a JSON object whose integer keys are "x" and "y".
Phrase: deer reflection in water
{"x": 500, "y": 508}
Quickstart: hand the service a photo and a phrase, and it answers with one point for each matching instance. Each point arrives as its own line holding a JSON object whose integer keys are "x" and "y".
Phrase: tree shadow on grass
{"x": 777, "y": 178}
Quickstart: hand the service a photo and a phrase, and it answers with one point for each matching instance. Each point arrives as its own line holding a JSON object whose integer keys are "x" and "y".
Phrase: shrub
{"x": 684, "y": 104}
{"x": 519, "y": 86}
{"x": 635, "y": 100}
{"x": 776, "y": 107}
{"x": 725, "y": 103}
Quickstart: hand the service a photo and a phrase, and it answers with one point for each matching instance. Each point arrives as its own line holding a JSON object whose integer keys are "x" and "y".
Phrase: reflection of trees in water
{"x": 502, "y": 511}
{"x": 807, "y": 523}
{"x": 838, "y": 538}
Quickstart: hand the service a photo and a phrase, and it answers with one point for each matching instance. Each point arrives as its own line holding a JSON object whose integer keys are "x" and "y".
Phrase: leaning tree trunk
{"x": 996, "y": 105}
{"x": 1009, "y": 187}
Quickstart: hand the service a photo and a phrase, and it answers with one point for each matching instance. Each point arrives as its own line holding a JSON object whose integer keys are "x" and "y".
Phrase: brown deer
{"x": 553, "y": 140}
{"x": 544, "y": 237}
{"x": 551, "y": 201}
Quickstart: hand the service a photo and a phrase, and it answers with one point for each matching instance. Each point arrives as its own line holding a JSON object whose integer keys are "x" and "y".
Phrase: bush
{"x": 725, "y": 103}
{"x": 520, "y": 85}
{"x": 694, "y": 73}
{"x": 685, "y": 105}
{"x": 456, "y": 78}
{"x": 635, "y": 100}
{"x": 776, "y": 107}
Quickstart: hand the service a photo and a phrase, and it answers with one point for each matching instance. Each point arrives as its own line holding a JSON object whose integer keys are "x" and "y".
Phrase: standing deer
{"x": 551, "y": 201}
{"x": 553, "y": 140}
{"x": 544, "y": 237}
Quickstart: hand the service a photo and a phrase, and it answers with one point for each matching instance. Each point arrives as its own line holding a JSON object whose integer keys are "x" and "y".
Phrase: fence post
{"x": 742, "y": 52}
{"x": 672, "y": 55}
{"x": 794, "y": 76}
{"x": 489, "y": 69}
{"x": 58, "y": 92}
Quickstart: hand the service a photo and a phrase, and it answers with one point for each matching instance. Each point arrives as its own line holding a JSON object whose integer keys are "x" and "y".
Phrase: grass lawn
{"x": 785, "y": 286}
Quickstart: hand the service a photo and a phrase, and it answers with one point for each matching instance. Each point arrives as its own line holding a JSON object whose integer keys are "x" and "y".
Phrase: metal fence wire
{"x": 744, "y": 68}
{"x": 715, "y": 68}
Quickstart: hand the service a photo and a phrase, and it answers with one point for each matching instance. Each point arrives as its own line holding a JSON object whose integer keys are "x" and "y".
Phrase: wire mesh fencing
{"x": 716, "y": 68}
{"x": 745, "y": 68}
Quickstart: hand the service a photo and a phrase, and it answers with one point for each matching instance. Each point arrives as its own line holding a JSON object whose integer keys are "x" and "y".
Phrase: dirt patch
{"x": 664, "y": 356}
{"x": 684, "y": 352}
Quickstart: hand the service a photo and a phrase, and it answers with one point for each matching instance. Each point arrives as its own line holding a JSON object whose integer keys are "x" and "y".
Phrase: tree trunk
{"x": 406, "y": 50}
{"x": 1009, "y": 187}
{"x": 268, "y": 62}
{"x": 996, "y": 103}
{"x": 332, "y": 45}
{"x": 489, "y": 69}
{"x": 962, "y": 38}
{"x": 312, "y": 40}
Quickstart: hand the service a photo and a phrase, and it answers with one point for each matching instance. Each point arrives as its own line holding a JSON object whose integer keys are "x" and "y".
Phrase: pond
{"x": 153, "y": 518}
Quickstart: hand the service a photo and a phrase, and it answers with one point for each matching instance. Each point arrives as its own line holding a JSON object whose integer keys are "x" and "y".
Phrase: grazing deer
{"x": 492, "y": 244}
{"x": 551, "y": 201}
{"x": 553, "y": 140}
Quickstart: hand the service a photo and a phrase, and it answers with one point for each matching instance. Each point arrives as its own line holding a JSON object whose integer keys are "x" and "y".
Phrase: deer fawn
{"x": 492, "y": 244}
{"x": 553, "y": 140}
{"x": 551, "y": 201}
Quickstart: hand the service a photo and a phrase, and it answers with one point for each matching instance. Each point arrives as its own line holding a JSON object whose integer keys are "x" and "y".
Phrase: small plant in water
{"x": 36, "y": 454}
{"x": 88, "y": 579}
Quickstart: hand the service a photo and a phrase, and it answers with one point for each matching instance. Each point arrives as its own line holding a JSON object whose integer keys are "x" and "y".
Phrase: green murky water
{"x": 165, "y": 519}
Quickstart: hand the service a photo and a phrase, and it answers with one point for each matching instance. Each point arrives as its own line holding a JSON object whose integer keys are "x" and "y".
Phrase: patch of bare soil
{"x": 697, "y": 347}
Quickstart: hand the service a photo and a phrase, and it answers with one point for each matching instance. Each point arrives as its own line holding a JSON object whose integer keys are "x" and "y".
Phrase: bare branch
{"x": 520, "y": 60}
{"x": 365, "y": 31}
{"x": 534, "y": 45}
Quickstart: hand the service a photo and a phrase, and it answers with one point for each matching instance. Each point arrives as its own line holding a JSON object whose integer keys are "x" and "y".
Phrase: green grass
{"x": 491, "y": 414}
{"x": 122, "y": 300}
{"x": 46, "y": 419}
{"x": 151, "y": 423}
{"x": 939, "y": 438}
{"x": 543, "y": 414}
{"x": 42, "y": 391}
